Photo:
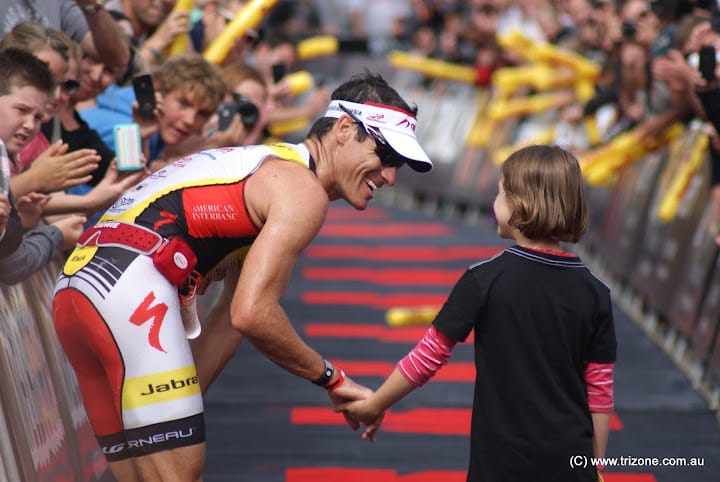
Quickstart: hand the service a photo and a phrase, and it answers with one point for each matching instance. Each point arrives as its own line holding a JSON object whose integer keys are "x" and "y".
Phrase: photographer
{"x": 252, "y": 99}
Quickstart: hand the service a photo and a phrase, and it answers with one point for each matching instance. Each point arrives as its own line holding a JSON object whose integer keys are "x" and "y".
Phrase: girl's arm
{"x": 413, "y": 371}
{"x": 600, "y": 392}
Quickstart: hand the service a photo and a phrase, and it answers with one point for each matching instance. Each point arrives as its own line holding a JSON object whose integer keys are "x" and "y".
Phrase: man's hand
{"x": 349, "y": 391}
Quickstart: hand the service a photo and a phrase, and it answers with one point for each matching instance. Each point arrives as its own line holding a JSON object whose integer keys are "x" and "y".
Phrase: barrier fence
{"x": 651, "y": 239}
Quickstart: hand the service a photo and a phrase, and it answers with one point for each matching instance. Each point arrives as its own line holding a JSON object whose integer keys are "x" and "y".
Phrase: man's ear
{"x": 344, "y": 129}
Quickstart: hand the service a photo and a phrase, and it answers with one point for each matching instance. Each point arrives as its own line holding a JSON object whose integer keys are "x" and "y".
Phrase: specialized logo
{"x": 155, "y": 314}
{"x": 160, "y": 387}
{"x": 165, "y": 218}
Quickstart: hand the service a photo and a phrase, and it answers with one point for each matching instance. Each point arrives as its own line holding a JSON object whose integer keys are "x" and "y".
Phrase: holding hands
{"x": 370, "y": 410}
{"x": 363, "y": 412}
{"x": 353, "y": 400}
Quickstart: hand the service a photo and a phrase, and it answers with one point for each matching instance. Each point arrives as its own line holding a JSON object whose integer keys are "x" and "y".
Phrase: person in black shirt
{"x": 543, "y": 332}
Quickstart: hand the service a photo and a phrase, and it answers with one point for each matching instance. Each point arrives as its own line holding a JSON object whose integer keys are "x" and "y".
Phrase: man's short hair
{"x": 361, "y": 88}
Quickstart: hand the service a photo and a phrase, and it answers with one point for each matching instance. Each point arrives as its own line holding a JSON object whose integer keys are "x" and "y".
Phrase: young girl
{"x": 544, "y": 335}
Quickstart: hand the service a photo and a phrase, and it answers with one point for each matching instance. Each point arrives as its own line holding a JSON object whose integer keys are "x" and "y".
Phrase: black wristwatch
{"x": 326, "y": 374}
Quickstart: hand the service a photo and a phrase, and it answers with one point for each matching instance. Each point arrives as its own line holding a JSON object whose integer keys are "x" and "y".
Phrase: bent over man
{"x": 123, "y": 306}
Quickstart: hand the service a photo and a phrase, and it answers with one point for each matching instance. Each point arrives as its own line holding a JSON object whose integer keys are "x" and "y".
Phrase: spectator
{"x": 94, "y": 77}
{"x": 41, "y": 167}
{"x": 215, "y": 17}
{"x": 11, "y": 231}
{"x": 85, "y": 21}
{"x": 25, "y": 87}
{"x": 151, "y": 28}
{"x": 249, "y": 104}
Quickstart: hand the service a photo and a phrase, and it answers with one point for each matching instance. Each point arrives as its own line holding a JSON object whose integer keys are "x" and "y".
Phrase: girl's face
{"x": 502, "y": 211}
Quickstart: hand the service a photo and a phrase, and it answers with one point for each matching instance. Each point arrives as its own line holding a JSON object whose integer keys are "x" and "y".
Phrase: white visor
{"x": 395, "y": 125}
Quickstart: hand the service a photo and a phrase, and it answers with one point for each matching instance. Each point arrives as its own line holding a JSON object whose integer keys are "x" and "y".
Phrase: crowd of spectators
{"x": 57, "y": 114}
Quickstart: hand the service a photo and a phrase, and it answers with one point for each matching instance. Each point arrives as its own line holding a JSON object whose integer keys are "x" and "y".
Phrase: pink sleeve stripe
{"x": 600, "y": 386}
{"x": 431, "y": 353}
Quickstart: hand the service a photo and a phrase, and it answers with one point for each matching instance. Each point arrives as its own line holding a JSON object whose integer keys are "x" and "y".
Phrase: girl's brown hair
{"x": 545, "y": 191}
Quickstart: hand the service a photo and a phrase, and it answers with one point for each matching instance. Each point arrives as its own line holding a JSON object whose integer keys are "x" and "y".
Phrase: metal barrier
{"x": 46, "y": 436}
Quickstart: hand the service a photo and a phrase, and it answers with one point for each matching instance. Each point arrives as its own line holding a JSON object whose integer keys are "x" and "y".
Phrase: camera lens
{"x": 628, "y": 29}
{"x": 249, "y": 112}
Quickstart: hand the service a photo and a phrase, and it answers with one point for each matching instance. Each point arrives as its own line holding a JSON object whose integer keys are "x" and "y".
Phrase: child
{"x": 25, "y": 87}
{"x": 249, "y": 102}
{"x": 544, "y": 335}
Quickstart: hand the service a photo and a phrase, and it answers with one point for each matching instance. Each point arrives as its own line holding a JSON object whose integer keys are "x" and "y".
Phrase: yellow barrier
{"x": 299, "y": 82}
{"x": 501, "y": 109}
{"x": 670, "y": 202}
{"x": 432, "y": 67}
{"x": 541, "y": 52}
{"x": 482, "y": 127}
{"x": 317, "y": 46}
{"x": 600, "y": 165}
{"x": 248, "y": 17}
{"x": 281, "y": 128}
{"x": 508, "y": 80}
{"x": 181, "y": 41}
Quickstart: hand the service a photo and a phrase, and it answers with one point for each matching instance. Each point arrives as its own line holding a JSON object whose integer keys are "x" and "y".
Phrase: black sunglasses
{"x": 70, "y": 86}
{"x": 388, "y": 156}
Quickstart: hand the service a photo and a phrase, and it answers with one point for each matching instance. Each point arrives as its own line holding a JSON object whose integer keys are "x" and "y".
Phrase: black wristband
{"x": 326, "y": 374}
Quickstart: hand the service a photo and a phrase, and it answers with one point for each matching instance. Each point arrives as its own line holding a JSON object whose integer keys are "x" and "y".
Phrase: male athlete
{"x": 123, "y": 306}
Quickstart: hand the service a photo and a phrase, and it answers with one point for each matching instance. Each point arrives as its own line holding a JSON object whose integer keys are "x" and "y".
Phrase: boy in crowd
{"x": 26, "y": 85}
